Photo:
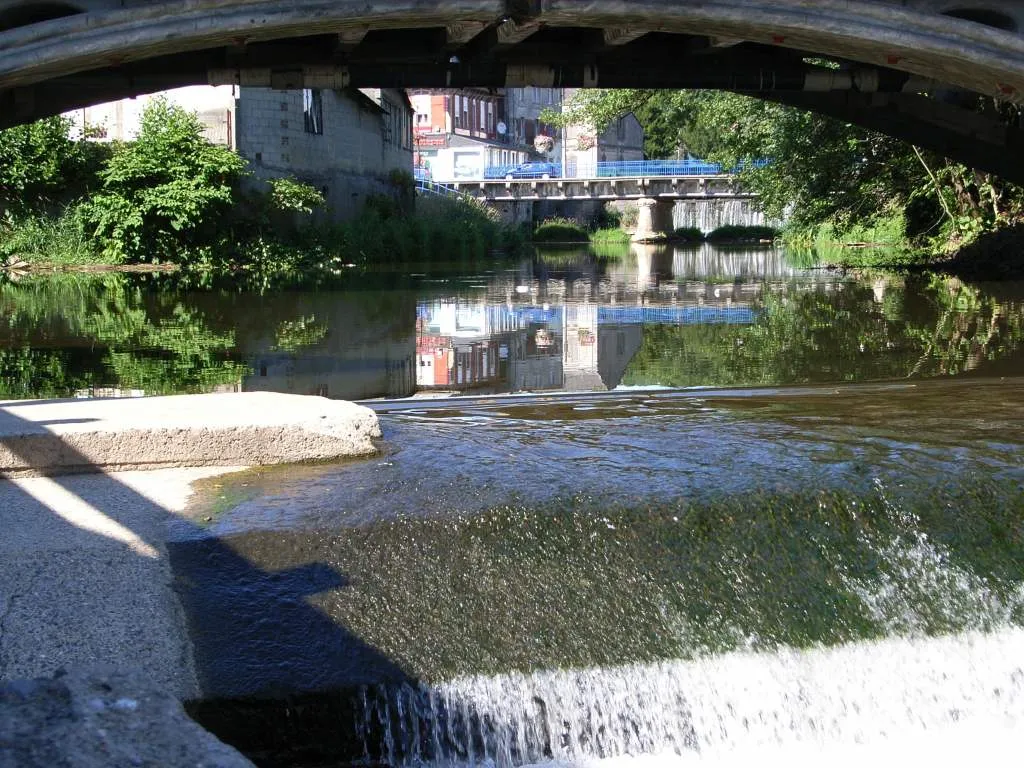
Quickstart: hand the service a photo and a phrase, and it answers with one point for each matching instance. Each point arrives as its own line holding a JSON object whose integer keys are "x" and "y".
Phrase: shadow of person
{"x": 86, "y": 579}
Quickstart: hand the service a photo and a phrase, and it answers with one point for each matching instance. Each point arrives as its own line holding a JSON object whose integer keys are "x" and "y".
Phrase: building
{"x": 121, "y": 120}
{"x": 348, "y": 143}
{"x": 459, "y": 134}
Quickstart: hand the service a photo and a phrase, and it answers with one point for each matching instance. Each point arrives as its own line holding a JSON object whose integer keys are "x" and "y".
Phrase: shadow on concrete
{"x": 88, "y": 584}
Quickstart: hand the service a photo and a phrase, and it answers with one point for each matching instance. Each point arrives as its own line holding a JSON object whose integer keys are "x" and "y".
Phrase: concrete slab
{"x": 48, "y": 437}
{"x": 85, "y": 578}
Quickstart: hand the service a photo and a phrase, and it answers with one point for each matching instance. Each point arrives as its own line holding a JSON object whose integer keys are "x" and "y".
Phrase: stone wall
{"x": 349, "y": 160}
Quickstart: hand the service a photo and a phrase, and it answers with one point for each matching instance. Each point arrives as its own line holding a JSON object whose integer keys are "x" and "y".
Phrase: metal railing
{"x": 611, "y": 170}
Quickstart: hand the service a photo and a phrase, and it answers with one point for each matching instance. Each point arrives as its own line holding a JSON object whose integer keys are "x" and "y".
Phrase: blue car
{"x": 530, "y": 170}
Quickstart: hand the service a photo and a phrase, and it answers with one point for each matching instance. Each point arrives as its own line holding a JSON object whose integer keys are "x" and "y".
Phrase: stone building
{"x": 348, "y": 143}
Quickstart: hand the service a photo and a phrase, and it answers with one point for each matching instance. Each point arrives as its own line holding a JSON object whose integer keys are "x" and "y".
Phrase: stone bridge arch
{"x": 60, "y": 54}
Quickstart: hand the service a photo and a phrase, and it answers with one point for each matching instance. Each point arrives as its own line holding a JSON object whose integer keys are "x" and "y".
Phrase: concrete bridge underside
{"x": 912, "y": 68}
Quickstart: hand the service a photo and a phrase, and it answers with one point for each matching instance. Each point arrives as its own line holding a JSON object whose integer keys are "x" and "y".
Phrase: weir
{"x": 709, "y": 215}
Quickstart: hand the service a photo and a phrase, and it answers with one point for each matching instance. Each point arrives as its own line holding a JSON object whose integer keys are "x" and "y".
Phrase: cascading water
{"x": 791, "y": 615}
{"x": 709, "y": 215}
{"x": 865, "y": 694}
{"x": 868, "y": 694}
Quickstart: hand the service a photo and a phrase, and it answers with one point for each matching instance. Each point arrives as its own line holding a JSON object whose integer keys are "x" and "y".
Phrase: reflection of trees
{"x": 66, "y": 333}
{"x": 925, "y": 327}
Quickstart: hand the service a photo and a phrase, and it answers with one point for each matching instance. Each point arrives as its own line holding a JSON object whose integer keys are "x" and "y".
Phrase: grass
{"x": 610, "y": 236}
{"x": 560, "y": 230}
{"x": 50, "y": 241}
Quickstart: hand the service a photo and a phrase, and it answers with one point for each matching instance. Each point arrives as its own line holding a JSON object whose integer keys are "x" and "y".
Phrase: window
{"x": 465, "y": 112}
{"x": 458, "y": 111}
{"x": 483, "y": 117}
{"x": 313, "y": 110}
{"x": 490, "y": 117}
{"x": 620, "y": 129}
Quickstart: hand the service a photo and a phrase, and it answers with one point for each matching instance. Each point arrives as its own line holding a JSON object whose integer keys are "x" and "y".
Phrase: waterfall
{"x": 865, "y": 695}
{"x": 709, "y": 215}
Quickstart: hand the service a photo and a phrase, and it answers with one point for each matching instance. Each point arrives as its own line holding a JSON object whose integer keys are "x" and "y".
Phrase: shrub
{"x": 735, "y": 233}
{"x": 609, "y": 236}
{"x": 688, "y": 235}
{"x": 166, "y": 192}
{"x": 40, "y": 166}
{"x": 560, "y": 230}
{"x": 290, "y": 194}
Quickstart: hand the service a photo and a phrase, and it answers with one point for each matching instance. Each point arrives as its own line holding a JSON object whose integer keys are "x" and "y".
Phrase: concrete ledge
{"x": 40, "y": 437}
{"x": 104, "y": 717}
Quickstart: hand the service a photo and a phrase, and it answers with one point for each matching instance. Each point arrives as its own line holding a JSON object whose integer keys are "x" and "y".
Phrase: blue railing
{"x": 611, "y": 170}
{"x": 426, "y": 187}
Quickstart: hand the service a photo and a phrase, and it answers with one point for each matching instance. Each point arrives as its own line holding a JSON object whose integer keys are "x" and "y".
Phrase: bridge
{"x": 911, "y": 68}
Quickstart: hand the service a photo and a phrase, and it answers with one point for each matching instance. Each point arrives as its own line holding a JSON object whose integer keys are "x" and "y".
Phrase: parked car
{"x": 529, "y": 170}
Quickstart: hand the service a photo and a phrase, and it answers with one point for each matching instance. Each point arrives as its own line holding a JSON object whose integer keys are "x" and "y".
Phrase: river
{"x": 673, "y": 507}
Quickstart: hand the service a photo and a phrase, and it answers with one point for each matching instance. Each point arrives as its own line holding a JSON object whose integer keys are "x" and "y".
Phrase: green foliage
{"x": 165, "y": 193}
{"x": 41, "y": 166}
{"x": 688, "y": 235}
{"x": 290, "y": 194}
{"x": 822, "y": 170}
{"x": 605, "y": 236}
{"x": 735, "y": 233}
{"x": 55, "y": 240}
{"x": 560, "y": 230}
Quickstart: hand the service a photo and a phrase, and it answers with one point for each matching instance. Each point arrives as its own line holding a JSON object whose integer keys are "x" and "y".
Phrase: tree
{"x": 40, "y": 164}
{"x": 822, "y": 170}
{"x": 166, "y": 192}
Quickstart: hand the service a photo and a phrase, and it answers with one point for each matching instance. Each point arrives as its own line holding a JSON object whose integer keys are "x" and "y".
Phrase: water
{"x": 558, "y": 321}
{"x": 709, "y": 215}
{"x": 677, "y": 507}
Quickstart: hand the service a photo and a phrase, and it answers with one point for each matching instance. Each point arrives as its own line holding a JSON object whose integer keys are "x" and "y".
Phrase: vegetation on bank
{"x": 171, "y": 197}
{"x": 831, "y": 181}
{"x": 560, "y": 230}
{"x": 569, "y": 231}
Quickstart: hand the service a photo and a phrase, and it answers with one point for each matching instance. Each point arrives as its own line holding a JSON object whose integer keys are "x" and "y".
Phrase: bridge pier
{"x": 653, "y": 221}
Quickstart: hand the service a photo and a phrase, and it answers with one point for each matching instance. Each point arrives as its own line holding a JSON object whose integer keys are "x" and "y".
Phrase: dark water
{"x": 818, "y": 560}
{"x": 557, "y": 321}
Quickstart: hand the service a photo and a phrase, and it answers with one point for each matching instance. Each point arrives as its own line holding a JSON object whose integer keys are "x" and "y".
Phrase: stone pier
{"x": 654, "y": 220}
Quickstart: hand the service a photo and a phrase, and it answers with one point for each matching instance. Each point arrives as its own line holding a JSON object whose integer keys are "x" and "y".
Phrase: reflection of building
{"x": 508, "y": 347}
{"x": 313, "y": 344}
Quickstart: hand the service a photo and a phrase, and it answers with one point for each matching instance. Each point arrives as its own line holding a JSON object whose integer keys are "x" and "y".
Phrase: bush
{"x": 41, "y": 167}
{"x": 560, "y": 230}
{"x": 630, "y": 215}
{"x": 734, "y": 233}
{"x": 167, "y": 192}
{"x": 688, "y": 235}
{"x": 48, "y": 239}
{"x": 290, "y": 194}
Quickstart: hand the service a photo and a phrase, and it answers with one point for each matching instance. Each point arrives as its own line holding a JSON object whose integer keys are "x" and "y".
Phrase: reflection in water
{"x": 565, "y": 320}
